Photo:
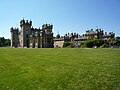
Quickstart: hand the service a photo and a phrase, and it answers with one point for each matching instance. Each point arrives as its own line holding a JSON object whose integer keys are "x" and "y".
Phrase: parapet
{"x": 47, "y": 26}
{"x": 23, "y": 22}
{"x": 13, "y": 29}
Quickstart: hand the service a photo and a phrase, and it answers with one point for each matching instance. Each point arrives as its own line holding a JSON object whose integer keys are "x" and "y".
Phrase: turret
{"x": 25, "y": 32}
{"x": 14, "y": 37}
{"x": 13, "y": 29}
{"x": 47, "y": 35}
{"x": 47, "y": 28}
{"x": 23, "y": 22}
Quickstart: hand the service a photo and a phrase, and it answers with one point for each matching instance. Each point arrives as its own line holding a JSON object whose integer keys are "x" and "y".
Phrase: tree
{"x": 7, "y": 42}
{"x": 96, "y": 42}
{"x": 4, "y": 42}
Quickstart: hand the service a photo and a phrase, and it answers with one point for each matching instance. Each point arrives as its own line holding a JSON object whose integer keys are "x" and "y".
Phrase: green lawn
{"x": 59, "y": 69}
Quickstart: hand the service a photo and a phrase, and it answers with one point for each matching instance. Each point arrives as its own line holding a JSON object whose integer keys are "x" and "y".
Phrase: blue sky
{"x": 65, "y": 15}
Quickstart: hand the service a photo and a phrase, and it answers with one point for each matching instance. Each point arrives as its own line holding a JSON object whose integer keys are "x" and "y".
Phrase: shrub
{"x": 66, "y": 44}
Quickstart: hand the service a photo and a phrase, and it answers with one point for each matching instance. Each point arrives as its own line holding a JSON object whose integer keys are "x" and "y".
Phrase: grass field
{"x": 59, "y": 69}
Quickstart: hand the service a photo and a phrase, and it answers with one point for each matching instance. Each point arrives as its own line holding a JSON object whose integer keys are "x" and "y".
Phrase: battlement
{"x": 99, "y": 31}
{"x": 13, "y": 29}
{"x": 25, "y": 22}
{"x": 47, "y": 26}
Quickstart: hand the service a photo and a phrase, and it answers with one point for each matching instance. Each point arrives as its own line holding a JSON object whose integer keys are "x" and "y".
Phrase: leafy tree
{"x": 7, "y": 42}
{"x": 4, "y": 42}
{"x": 96, "y": 42}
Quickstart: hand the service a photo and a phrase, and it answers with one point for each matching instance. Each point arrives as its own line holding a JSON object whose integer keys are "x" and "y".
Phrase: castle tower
{"x": 25, "y": 32}
{"x": 47, "y": 36}
{"x": 14, "y": 37}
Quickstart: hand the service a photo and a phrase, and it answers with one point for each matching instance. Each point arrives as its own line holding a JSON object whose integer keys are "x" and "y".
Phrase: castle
{"x": 30, "y": 37}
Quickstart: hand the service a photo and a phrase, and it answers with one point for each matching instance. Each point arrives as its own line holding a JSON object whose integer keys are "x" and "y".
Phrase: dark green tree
{"x": 4, "y": 42}
{"x": 96, "y": 42}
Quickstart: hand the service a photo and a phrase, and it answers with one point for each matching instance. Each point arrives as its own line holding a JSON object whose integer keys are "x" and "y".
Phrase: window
{"x": 26, "y": 35}
{"x": 48, "y": 40}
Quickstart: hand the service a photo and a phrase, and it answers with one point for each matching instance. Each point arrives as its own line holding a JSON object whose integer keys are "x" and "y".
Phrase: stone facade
{"x": 58, "y": 43}
{"x": 31, "y": 37}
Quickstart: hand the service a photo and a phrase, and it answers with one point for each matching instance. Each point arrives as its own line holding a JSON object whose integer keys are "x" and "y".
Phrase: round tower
{"x": 47, "y": 35}
{"x": 47, "y": 28}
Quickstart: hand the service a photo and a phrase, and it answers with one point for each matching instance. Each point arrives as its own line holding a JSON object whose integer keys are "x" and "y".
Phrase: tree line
{"x": 4, "y": 42}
